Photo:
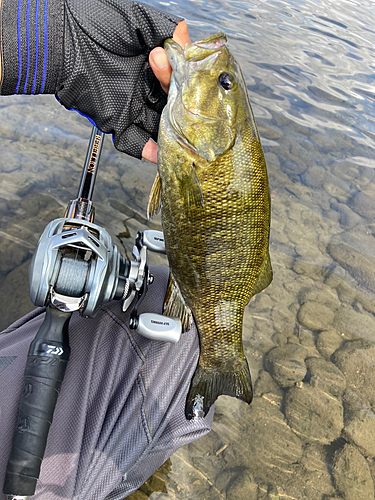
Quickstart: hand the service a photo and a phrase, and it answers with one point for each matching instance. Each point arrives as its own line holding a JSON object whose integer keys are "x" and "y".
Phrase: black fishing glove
{"x": 93, "y": 55}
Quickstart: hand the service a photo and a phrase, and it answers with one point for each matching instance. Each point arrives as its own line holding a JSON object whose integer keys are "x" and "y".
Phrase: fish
{"x": 212, "y": 189}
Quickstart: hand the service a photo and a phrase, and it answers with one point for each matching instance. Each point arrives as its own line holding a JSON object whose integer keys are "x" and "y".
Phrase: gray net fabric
{"x": 106, "y": 74}
{"x": 93, "y": 55}
{"x": 120, "y": 413}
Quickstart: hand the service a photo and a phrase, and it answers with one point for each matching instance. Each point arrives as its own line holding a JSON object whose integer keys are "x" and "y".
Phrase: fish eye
{"x": 227, "y": 81}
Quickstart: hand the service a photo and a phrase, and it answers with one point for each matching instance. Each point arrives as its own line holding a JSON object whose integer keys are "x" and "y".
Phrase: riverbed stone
{"x": 355, "y": 253}
{"x": 273, "y": 448}
{"x": 323, "y": 295}
{"x": 364, "y": 205}
{"x": 313, "y": 414}
{"x": 347, "y": 218}
{"x": 307, "y": 340}
{"x": 356, "y": 360}
{"x": 242, "y": 486}
{"x": 15, "y": 304}
{"x": 360, "y": 429}
{"x": 315, "y": 316}
{"x": 12, "y": 253}
{"x": 354, "y": 324}
{"x": 328, "y": 342}
{"x": 315, "y": 471}
{"x": 266, "y": 387}
{"x": 326, "y": 376}
{"x": 286, "y": 364}
{"x": 138, "y": 495}
{"x": 351, "y": 474}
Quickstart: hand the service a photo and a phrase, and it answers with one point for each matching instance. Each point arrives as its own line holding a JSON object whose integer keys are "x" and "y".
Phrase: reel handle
{"x": 45, "y": 369}
{"x": 157, "y": 327}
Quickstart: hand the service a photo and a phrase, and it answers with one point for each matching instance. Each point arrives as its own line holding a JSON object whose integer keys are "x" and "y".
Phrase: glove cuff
{"x": 31, "y": 45}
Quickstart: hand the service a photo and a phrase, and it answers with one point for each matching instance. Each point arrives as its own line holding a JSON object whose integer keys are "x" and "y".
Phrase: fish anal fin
{"x": 265, "y": 275}
{"x": 154, "y": 201}
{"x": 191, "y": 191}
{"x": 175, "y": 306}
{"x": 207, "y": 385}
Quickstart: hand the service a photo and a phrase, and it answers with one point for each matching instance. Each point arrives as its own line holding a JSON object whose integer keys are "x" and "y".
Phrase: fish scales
{"x": 215, "y": 213}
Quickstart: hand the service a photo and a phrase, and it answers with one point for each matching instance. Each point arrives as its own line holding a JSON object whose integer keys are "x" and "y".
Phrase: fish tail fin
{"x": 208, "y": 385}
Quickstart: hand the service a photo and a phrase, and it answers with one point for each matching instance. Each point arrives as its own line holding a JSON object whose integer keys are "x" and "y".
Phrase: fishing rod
{"x": 76, "y": 267}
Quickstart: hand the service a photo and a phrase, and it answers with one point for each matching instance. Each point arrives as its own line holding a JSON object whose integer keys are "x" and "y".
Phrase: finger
{"x": 131, "y": 141}
{"x": 158, "y": 58}
{"x": 160, "y": 66}
{"x": 181, "y": 34}
{"x": 150, "y": 152}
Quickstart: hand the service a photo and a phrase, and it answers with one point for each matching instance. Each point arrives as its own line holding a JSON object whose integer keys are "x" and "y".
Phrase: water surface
{"x": 309, "y": 68}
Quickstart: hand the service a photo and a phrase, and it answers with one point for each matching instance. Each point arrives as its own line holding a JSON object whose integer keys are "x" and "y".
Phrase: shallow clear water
{"x": 309, "y": 67}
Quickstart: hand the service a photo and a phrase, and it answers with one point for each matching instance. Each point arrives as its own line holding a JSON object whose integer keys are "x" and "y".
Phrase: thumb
{"x": 160, "y": 66}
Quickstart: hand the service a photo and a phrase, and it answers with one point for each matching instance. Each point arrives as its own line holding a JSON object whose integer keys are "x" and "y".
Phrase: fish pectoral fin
{"x": 175, "y": 306}
{"x": 191, "y": 191}
{"x": 265, "y": 275}
{"x": 154, "y": 201}
{"x": 208, "y": 385}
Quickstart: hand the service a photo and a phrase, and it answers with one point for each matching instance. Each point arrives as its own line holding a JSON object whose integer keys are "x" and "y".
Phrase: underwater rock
{"x": 355, "y": 324}
{"x": 359, "y": 429}
{"x": 279, "y": 339}
{"x": 313, "y": 414}
{"x": 364, "y": 205}
{"x": 273, "y": 448}
{"x": 347, "y": 218}
{"x": 328, "y": 342}
{"x": 351, "y": 474}
{"x": 15, "y": 304}
{"x": 326, "y": 376}
{"x": 314, "y": 471}
{"x": 12, "y": 253}
{"x": 355, "y": 359}
{"x": 314, "y": 176}
{"x": 138, "y": 495}
{"x": 323, "y": 295}
{"x": 355, "y": 253}
{"x": 315, "y": 316}
{"x": 266, "y": 386}
{"x": 242, "y": 486}
{"x": 286, "y": 364}
{"x": 307, "y": 340}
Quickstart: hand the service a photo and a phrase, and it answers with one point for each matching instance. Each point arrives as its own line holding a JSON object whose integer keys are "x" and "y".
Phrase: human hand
{"x": 101, "y": 69}
{"x": 162, "y": 70}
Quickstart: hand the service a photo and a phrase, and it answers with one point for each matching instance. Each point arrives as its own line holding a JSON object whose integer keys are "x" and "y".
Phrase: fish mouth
{"x": 196, "y": 51}
{"x": 178, "y": 110}
{"x": 203, "y": 48}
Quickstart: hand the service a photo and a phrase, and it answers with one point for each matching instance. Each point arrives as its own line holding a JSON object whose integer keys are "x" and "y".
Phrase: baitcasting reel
{"x": 76, "y": 267}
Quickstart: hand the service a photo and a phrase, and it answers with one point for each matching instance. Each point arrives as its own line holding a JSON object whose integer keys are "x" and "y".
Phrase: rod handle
{"x": 45, "y": 369}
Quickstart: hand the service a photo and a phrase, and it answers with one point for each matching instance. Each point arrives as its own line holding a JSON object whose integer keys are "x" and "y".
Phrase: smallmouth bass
{"x": 212, "y": 187}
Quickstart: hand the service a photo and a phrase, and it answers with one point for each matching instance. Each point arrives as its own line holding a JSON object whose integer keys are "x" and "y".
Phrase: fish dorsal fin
{"x": 191, "y": 191}
{"x": 154, "y": 201}
{"x": 175, "y": 306}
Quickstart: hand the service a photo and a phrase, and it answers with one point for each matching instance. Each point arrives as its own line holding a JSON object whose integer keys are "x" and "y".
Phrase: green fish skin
{"x": 212, "y": 187}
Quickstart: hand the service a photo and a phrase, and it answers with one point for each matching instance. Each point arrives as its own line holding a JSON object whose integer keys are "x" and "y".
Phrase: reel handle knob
{"x": 154, "y": 240}
{"x": 158, "y": 327}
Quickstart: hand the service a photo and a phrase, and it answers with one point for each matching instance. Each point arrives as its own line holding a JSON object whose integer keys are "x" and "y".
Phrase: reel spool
{"x": 75, "y": 267}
